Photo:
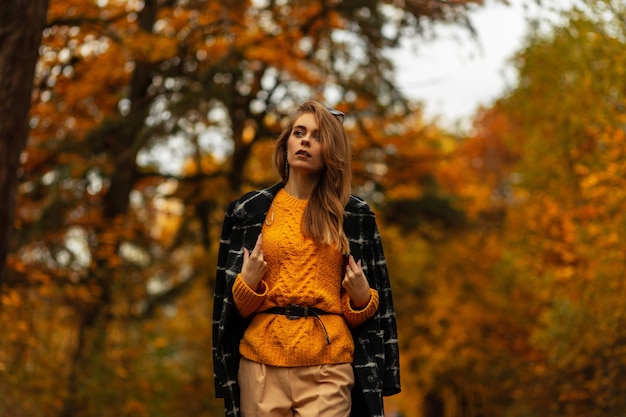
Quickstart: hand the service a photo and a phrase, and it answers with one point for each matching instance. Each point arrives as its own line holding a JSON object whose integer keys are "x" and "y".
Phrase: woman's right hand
{"x": 254, "y": 265}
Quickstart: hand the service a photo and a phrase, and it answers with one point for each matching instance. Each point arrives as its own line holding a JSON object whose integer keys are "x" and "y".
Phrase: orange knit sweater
{"x": 300, "y": 272}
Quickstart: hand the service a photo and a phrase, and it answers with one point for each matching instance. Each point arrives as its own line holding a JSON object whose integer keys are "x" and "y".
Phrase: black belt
{"x": 294, "y": 312}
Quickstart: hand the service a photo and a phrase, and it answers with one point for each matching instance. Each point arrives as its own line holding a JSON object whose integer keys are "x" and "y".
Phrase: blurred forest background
{"x": 505, "y": 244}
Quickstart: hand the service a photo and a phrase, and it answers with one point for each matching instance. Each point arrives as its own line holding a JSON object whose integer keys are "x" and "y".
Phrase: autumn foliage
{"x": 504, "y": 244}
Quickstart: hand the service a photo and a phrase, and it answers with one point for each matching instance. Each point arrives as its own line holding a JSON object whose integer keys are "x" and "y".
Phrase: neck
{"x": 301, "y": 187}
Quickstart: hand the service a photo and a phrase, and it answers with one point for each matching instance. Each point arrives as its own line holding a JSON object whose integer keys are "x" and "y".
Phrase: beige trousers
{"x": 306, "y": 391}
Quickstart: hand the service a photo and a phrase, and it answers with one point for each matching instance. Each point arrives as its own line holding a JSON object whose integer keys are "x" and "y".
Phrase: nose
{"x": 306, "y": 140}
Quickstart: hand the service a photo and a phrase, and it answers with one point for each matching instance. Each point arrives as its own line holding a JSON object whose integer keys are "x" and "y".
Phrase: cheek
{"x": 320, "y": 155}
{"x": 318, "y": 148}
{"x": 289, "y": 145}
{"x": 293, "y": 141}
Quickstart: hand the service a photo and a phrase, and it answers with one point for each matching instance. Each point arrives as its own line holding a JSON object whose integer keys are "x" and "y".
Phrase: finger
{"x": 348, "y": 283}
{"x": 353, "y": 265}
{"x": 246, "y": 254}
{"x": 258, "y": 245}
{"x": 350, "y": 264}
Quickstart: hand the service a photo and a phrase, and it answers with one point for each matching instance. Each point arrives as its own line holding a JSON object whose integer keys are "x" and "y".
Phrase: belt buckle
{"x": 288, "y": 313}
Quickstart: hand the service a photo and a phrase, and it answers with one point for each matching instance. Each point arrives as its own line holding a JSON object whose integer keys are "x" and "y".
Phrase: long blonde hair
{"x": 323, "y": 216}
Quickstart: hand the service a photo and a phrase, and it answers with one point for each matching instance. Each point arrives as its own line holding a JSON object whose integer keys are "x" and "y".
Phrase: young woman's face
{"x": 304, "y": 150}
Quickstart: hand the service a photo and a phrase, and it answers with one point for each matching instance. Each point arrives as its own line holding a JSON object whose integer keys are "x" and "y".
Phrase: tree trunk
{"x": 21, "y": 24}
{"x": 125, "y": 154}
{"x": 91, "y": 332}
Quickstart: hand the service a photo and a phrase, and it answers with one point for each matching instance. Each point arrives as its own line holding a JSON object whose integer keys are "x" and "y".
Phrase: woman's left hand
{"x": 355, "y": 283}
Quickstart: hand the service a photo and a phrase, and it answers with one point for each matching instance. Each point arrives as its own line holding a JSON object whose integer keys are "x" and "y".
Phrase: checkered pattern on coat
{"x": 376, "y": 356}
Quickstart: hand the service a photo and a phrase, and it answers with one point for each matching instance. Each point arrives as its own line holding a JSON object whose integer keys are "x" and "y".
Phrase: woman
{"x": 303, "y": 320}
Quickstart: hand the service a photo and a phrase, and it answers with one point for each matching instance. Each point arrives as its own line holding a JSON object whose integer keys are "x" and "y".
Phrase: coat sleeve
{"x": 391, "y": 368}
{"x": 376, "y": 360}
{"x": 242, "y": 224}
{"x": 241, "y": 227}
{"x": 219, "y": 297}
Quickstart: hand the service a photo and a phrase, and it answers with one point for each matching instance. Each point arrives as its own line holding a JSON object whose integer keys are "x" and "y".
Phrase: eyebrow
{"x": 302, "y": 127}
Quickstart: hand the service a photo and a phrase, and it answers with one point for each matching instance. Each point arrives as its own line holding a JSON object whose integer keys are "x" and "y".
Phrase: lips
{"x": 303, "y": 153}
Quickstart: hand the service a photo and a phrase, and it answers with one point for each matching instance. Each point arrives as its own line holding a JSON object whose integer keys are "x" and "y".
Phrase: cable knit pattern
{"x": 300, "y": 272}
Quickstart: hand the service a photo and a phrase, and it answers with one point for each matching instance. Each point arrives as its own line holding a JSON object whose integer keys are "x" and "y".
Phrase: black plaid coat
{"x": 376, "y": 358}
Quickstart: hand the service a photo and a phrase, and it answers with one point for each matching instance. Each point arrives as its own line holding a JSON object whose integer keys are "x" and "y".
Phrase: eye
{"x": 298, "y": 133}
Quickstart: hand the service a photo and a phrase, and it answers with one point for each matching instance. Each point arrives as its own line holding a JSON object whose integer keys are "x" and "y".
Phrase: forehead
{"x": 306, "y": 120}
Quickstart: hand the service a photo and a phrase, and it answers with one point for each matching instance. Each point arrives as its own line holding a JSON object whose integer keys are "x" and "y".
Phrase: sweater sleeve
{"x": 246, "y": 299}
{"x": 353, "y": 317}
